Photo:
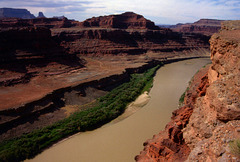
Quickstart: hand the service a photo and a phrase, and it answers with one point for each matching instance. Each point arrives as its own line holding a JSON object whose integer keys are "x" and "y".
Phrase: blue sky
{"x": 159, "y": 11}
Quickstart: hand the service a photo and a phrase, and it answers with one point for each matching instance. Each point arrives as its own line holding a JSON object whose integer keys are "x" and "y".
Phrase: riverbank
{"x": 133, "y": 107}
{"x": 121, "y": 141}
{"x": 169, "y": 141}
{"x": 108, "y": 108}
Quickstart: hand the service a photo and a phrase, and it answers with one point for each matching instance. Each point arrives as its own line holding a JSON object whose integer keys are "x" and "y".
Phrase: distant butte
{"x": 127, "y": 20}
{"x": 202, "y": 26}
{"x": 41, "y": 15}
{"x": 15, "y": 13}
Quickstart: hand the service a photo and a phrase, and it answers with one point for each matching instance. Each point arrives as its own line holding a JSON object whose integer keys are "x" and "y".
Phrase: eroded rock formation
{"x": 203, "y": 26}
{"x": 130, "y": 41}
{"x": 210, "y": 119}
{"x": 127, "y": 20}
{"x": 216, "y": 119}
{"x": 41, "y": 15}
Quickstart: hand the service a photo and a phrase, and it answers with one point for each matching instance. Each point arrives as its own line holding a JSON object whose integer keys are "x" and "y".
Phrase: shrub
{"x": 235, "y": 147}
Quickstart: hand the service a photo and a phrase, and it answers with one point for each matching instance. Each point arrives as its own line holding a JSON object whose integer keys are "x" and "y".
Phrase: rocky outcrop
{"x": 53, "y": 22}
{"x": 38, "y": 22}
{"x": 127, "y": 20}
{"x": 210, "y": 118}
{"x": 15, "y": 13}
{"x": 216, "y": 118}
{"x": 41, "y": 15}
{"x": 203, "y": 26}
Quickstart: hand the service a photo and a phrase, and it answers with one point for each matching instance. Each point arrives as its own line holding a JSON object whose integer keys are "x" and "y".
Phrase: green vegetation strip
{"x": 108, "y": 108}
{"x": 181, "y": 99}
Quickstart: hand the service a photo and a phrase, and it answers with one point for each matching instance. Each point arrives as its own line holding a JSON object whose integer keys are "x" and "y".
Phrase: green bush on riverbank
{"x": 181, "y": 99}
{"x": 108, "y": 108}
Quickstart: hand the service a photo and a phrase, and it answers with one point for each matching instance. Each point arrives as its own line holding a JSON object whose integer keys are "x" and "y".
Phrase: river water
{"x": 122, "y": 141}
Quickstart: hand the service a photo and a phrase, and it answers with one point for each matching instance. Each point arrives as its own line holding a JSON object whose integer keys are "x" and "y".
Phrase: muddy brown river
{"x": 121, "y": 141}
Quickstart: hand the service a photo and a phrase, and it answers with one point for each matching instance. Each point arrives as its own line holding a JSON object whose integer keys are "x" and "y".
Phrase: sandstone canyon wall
{"x": 133, "y": 34}
{"x": 203, "y": 128}
{"x": 119, "y": 41}
{"x": 24, "y": 48}
{"x": 127, "y": 33}
{"x": 27, "y": 43}
{"x": 203, "y": 26}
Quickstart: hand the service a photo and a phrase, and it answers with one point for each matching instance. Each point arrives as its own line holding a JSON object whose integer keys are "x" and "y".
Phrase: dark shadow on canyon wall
{"x": 32, "y": 46}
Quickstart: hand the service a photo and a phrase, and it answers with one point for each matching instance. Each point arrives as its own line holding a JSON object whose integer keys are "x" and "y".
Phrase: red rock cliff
{"x": 130, "y": 41}
{"x": 127, "y": 33}
{"x": 27, "y": 43}
{"x": 25, "y": 51}
{"x": 216, "y": 118}
{"x": 210, "y": 119}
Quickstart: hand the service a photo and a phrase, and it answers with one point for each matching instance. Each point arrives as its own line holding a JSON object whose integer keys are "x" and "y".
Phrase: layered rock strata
{"x": 203, "y": 26}
{"x": 216, "y": 119}
{"x": 24, "y": 50}
{"x": 130, "y": 41}
{"x": 125, "y": 33}
{"x": 27, "y": 43}
{"x": 210, "y": 119}
{"x": 127, "y": 20}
